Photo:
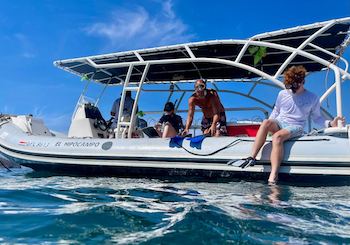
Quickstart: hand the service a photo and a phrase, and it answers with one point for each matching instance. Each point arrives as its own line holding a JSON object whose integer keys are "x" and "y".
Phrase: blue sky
{"x": 33, "y": 34}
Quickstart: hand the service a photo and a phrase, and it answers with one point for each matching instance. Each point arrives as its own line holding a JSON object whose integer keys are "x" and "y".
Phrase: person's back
{"x": 128, "y": 105}
{"x": 127, "y": 111}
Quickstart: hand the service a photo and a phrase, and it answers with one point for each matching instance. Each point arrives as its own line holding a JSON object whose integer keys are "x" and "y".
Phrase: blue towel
{"x": 197, "y": 139}
{"x": 196, "y": 142}
{"x": 176, "y": 141}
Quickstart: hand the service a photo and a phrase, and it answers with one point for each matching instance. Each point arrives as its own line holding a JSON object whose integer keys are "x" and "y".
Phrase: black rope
{"x": 236, "y": 141}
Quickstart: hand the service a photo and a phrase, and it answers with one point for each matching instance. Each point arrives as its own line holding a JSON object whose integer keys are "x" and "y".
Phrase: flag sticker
{"x": 22, "y": 142}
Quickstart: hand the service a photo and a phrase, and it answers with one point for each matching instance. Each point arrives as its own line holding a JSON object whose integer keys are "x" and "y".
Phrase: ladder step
{"x": 131, "y": 88}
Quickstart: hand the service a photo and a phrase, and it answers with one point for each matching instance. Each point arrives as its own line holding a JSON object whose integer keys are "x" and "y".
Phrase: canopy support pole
{"x": 121, "y": 104}
{"x": 134, "y": 108}
{"x": 338, "y": 93}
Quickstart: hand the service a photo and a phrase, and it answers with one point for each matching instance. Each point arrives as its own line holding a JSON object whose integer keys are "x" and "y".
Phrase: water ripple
{"x": 68, "y": 210}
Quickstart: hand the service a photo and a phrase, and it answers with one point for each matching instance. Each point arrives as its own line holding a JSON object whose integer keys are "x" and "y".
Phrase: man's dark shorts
{"x": 220, "y": 125}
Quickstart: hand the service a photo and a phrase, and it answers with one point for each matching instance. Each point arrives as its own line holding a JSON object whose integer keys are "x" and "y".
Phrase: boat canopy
{"x": 314, "y": 46}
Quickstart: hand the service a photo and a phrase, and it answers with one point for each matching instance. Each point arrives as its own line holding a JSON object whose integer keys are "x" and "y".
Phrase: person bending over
{"x": 169, "y": 124}
{"x": 214, "y": 117}
{"x": 292, "y": 108}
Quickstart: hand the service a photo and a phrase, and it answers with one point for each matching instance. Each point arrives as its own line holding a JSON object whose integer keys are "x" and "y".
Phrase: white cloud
{"x": 58, "y": 122}
{"x": 138, "y": 28}
{"x": 25, "y": 46}
{"x": 39, "y": 111}
{"x": 53, "y": 120}
{"x": 123, "y": 25}
{"x": 168, "y": 9}
{"x": 28, "y": 55}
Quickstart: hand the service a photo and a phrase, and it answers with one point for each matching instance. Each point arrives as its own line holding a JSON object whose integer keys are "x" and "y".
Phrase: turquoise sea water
{"x": 38, "y": 209}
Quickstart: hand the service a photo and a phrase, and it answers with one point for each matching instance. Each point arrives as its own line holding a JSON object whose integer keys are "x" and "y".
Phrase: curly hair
{"x": 295, "y": 74}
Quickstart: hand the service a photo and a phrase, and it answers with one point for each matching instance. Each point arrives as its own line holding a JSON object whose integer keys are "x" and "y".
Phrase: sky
{"x": 33, "y": 34}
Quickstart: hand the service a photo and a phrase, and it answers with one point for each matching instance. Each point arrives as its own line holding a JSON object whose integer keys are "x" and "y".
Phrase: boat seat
{"x": 247, "y": 130}
{"x": 31, "y": 125}
{"x": 141, "y": 123}
{"x": 93, "y": 112}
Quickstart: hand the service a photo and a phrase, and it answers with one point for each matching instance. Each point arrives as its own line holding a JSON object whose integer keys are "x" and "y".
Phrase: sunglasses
{"x": 200, "y": 86}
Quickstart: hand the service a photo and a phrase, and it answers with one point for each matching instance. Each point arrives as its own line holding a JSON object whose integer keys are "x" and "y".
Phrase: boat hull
{"x": 308, "y": 155}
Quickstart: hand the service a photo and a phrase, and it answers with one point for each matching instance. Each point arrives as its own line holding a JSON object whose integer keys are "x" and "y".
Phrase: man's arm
{"x": 191, "y": 107}
{"x": 215, "y": 105}
{"x": 114, "y": 108}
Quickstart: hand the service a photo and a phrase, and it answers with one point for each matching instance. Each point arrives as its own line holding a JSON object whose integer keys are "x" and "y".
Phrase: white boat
{"x": 87, "y": 149}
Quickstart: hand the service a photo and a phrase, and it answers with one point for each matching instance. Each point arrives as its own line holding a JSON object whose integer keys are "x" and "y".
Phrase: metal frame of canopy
{"x": 72, "y": 65}
{"x": 340, "y": 74}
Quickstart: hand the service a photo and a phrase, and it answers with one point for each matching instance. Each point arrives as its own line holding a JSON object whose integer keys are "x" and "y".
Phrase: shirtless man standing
{"x": 214, "y": 117}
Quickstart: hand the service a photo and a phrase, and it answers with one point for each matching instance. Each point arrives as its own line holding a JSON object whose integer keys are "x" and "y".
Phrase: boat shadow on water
{"x": 208, "y": 176}
{"x": 7, "y": 164}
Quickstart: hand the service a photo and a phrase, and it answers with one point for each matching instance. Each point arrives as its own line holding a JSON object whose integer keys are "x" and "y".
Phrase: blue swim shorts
{"x": 294, "y": 130}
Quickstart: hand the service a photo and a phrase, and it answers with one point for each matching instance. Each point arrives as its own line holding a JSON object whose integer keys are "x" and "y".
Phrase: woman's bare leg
{"x": 266, "y": 127}
{"x": 169, "y": 131}
{"x": 277, "y": 152}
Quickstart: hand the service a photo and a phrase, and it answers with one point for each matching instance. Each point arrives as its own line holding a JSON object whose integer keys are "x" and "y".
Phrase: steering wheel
{"x": 101, "y": 124}
{"x": 109, "y": 122}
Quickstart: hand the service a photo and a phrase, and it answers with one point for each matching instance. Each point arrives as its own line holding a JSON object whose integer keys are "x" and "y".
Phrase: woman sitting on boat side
{"x": 169, "y": 124}
{"x": 214, "y": 117}
{"x": 292, "y": 108}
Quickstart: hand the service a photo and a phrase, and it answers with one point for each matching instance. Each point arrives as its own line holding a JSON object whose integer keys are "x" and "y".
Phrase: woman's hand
{"x": 335, "y": 121}
{"x": 184, "y": 132}
{"x": 158, "y": 126}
